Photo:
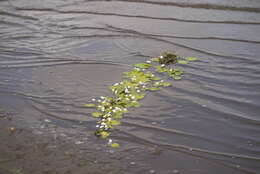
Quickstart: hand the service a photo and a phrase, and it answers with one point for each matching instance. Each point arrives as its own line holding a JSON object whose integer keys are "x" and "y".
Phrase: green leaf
{"x": 135, "y": 104}
{"x": 191, "y": 58}
{"x": 104, "y": 134}
{"x": 114, "y": 122}
{"x": 153, "y": 89}
{"x": 156, "y": 78}
{"x": 178, "y": 73}
{"x": 117, "y": 115}
{"x": 139, "y": 96}
{"x": 143, "y": 65}
{"x": 176, "y": 77}
{"x": 182, "y": 62}
{"x": 96, "y": 114}
{"x": 115, "y": 145}
{"x": 90, "y": 105}
{"x": 160, "y": 69}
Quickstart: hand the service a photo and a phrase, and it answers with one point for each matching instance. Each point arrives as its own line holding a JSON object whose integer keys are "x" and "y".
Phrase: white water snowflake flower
{"x": 148, "y": 61}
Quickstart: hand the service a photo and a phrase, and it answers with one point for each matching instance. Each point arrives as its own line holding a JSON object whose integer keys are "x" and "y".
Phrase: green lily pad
{"x": 114, "y": 122}
{"x": 143, "y": 65}
{"x": 153, "y": 89}
{"x": 176, "y": 77}
{"x": 135, "y": 104}
{"x": 160, "y": 69}
{"x": 178, "y": 73}
{"x": 104, "y": 134}
{"x": 191, "y": 58}
{"x": 97, "y": 114}
{"x": 90, "y": 105}
{"x": 115, "y": 145}
{"x": 117, "y": 115}
{"x": 156, "y": 78}
{"x": 182, "y": 62}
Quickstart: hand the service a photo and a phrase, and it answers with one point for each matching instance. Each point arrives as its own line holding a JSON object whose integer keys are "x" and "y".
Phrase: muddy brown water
{"x": 55, "y": 56}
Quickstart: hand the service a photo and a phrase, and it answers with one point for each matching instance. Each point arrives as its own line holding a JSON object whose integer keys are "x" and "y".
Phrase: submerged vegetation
{"x": 133, "y": 88}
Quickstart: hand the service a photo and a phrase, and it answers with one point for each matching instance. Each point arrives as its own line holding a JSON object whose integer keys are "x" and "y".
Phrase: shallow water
{"x": 55, "y": 56}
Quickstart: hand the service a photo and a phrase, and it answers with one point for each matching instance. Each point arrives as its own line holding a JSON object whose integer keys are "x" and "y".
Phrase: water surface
{"x": 55, "y": 56}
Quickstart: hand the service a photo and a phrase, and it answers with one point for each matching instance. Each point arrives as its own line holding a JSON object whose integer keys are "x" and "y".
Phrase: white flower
{"x": 99, "y": 100}
{"x": 97, "y": 125}
{"x": 162, "y": 65}
{"x": 110, "y": 141}
{"x": 116, "y": 84}
{"x": 161, "y": 57}
{"x": 102, "y": 97}
{"x": 93, "y": 99}
{"x": 133, "y": 97}
{"x": 148, "y": 61}
{"x": 138, "y": 90}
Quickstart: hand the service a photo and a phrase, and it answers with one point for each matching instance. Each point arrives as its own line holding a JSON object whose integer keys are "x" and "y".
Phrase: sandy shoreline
{"x": 48, "y": 151}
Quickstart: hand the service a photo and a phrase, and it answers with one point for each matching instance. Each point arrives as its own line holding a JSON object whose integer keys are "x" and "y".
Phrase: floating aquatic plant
{"x": 133, "y": 88}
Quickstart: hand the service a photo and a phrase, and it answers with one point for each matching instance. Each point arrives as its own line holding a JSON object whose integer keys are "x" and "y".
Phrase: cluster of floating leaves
{"x": 133, "y": 88}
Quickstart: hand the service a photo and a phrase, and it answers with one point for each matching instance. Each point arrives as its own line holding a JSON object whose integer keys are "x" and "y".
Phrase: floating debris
{"x": 133, "y": 88}
{"x": 12, "y": 129}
